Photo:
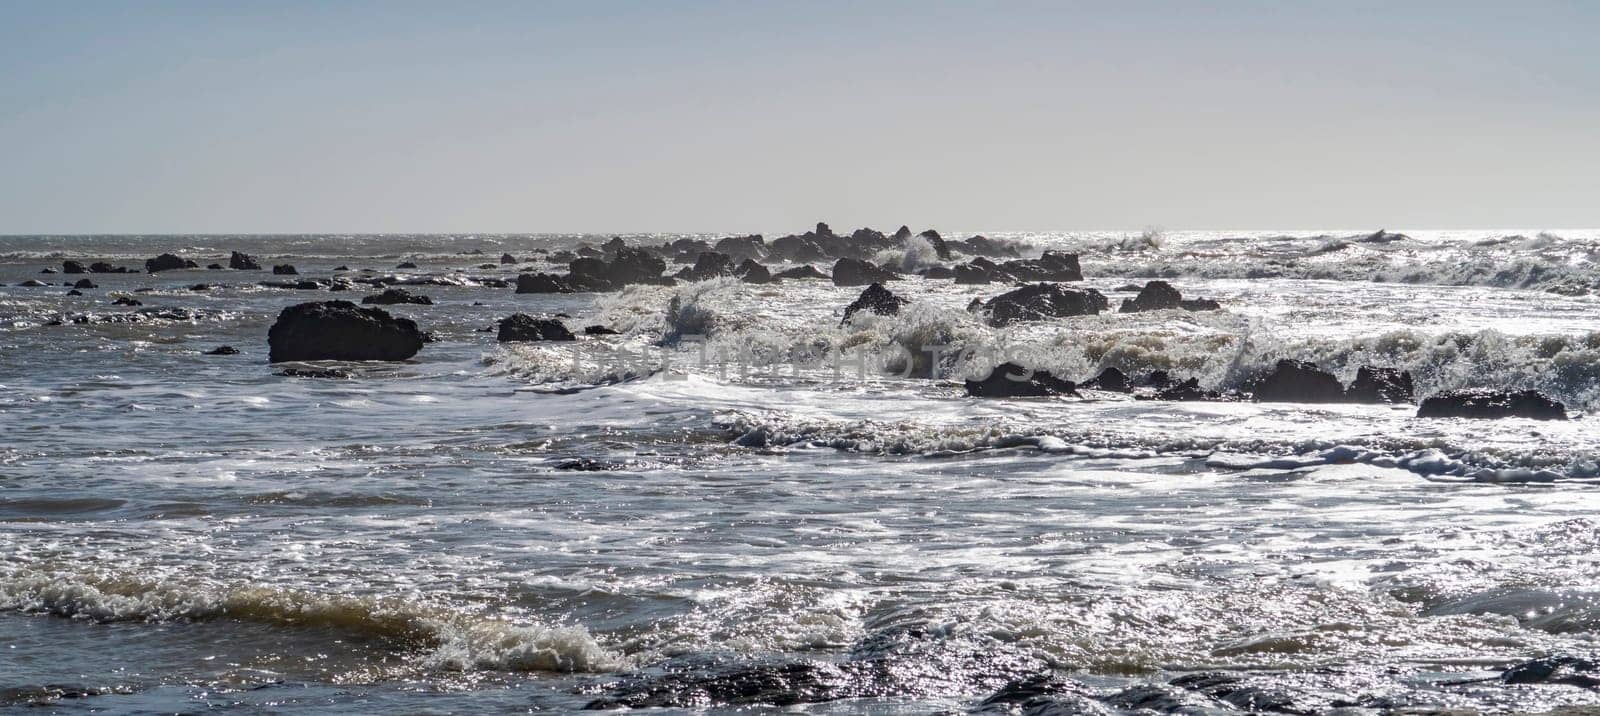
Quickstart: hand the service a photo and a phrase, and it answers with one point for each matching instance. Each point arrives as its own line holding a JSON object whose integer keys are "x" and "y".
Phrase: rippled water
{"x": 183, "y": 530}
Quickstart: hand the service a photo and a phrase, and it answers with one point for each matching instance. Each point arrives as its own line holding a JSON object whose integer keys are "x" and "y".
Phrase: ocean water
{"x": 740, "y": 503}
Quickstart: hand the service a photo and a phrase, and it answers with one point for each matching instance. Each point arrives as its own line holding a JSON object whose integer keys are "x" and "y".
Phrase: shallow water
{"x": 184, "y": 530}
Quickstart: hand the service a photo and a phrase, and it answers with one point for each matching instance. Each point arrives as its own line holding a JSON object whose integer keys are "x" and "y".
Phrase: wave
{"x": 444, "y": 639}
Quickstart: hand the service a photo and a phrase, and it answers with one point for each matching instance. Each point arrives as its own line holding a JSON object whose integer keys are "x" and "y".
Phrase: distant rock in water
{"x": 84, "y": 283}
{"x": 126, "y": 301}
{"x": 875, "y": 299}
{"x": 1380, "y": 385}
{"x": 598, "y": 330}
{"x": 243, "y": 262}
{"x": 1039, "y": 301}
{"x": 937, "y": 273}
{"x": 1292, "y": 381}
{"x": 314, "y": 373}
{"x": 1111, "y": 379}
{"x": 1187, "y": 390}
{"x": 1052, "y": 266}
{"x": 167, "y": 262}
{"x": 392, "y": 296}
{"x": 1564, "y": 670}
{"x": 284, "y": 270}
{"x": 854, "y": 272}
{"x": 1009, "y": 380}
{"x": 708, "y": 265}
{"x": 1492, "y": 405}
{"x": 983, "y": 246}
{"x": 804, "y": 271}
{"x": 341, "y": 330}
{"x": 223, "y": 351}
{"x": 33, "y": 283}
{"x": 541, "y": 283}
{"x": 627, "y": 267}
{"x": 1384, "y": 237}
{"x": 751, "y": 272}
{"x": 405, "y": 265}
{"x": 940, "y": 248}
{"x": 47, "y": 269}
{"x": 507, "y": 259}
{"x": 1160, "y": 296}
{"x": 751, "y": 247}
{"x": 523, "y": 327}
{"x": 72, "y": 267}
{"x": 103, "y": 267}
{"x": 968, "y": 274}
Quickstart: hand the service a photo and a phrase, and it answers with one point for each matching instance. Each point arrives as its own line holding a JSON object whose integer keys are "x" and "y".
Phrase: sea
{"x": 741, "y": 503}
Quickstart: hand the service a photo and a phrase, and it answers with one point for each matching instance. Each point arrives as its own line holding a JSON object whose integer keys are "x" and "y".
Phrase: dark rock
{"x": 103, "y": 267}
{"x": 853, "y": 272}
{"x": 752, "y": 272}
{"x": 751, "y": 247}
{"x": 214, "y": 267}
{"x": 1052, "y": 266}
{"x": 541, "y": 283}
{"x": 284, "y": 270}
{"x": 507, "y": 259}
{"x": 222, "y": 351}
{"x": 801, "y": 272}
{"x": 523, "y": 327}
{"x": 1158, "y": 379}
{"x": 1009, "y": 380}
{"x": 307, "y": 285}
{"x": 341, "y": 330}
{"x": 1039, "y": 301}
{"x": 585, "y": 464}
{"x": 876, "y": 299}
{"x": 1111, "y": 379}
{"x": 1160, "y": 295}
{"x": 1186, "y": 390}
{"x": 797, "y": 249}
{"x": 314, "y": 373}
{"x": 628, "y": 267}
{"x": 1492, "y": 404}
{"x": 982, "y": 246}
{"x": 243, "y": 262}
{"x": 708, "y": 265}
{"x": 47, "y": 269}
{"x": 341, "y": 268}
{"x": 971, "y": 275}
{"x": 1292, "y": 381}
{"x": 901, "y": 234}
{"x": 125, "y": 301}
{"x": 1383, "y": 237}
{"x": 166, "y": 262}
{"x": 84, "y": 283}
{"x": 598, "y": 330}
{"x": 33, "y": 283}
{"x": 1565, "y": 670}
{"x": 393, "y": 296}
{"x": 938, "y": 273}
{"x": 405, "y": 265}
{"x": 939, "y": 246}
{"x": 1380, "y": 385}
{"x": 72, "y": 267}
{"x": 202, "y": 287}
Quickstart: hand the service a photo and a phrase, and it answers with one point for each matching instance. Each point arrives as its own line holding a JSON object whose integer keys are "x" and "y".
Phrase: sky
{"x": 734, "y": 117}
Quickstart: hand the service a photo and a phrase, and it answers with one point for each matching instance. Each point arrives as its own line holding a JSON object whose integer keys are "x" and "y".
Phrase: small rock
{"x": 1492, "y": 405}
{"x": 1292, "y": 381}
{"x": 394, "y": 296}
{"x": 243, "y": 262}
{"x": 751, "y": 272}
{"x": 1009, "y": 380}
{"x": 166, "y": 262}
{"x": 1039, "y": 301}
{"x": 600, "y": 331}
{"x": 72, "y": 267}
{"x": 854, "y": 272}
{"x": 222, "y": 351}
{"x": 126, "y": 301}
{"x": 1160, "y": 295}
{"x": 314, "y": 373}
{"x": 406, "y": 265}
{"x": 84, "y": 283}
{"x": 803, "y": 271}
{"x": 507, "y": 259}
{"x": 1111, "y": 379}
{"x": 33, "y": 283}
{"x": 284, "y": 270}
{"x": 523, "y": 327}
{"x": 876, "y": 299}
{"x": 1380, "y": 385}
{"x": 541, "y": 283}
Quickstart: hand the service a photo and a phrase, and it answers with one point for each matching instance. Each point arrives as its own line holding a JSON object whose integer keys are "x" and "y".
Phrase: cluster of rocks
{"x": 1289, "y": 381}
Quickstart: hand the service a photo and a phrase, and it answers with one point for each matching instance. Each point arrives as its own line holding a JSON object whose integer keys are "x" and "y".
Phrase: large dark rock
{"x": 1009, "y": 380}
{"x": 1160, "y": 295}
{"x": 341, "y": 330}
{"x": 854, "y": 272}
{"x": 939, "y": 245}
{"x": 103, "y": 267}
{"x": 1039, "y": 301}
{"x": 751, "y": 272}
{"x": 72, "y": 267}
{"x": 1052, "y": 266}
{"x": 708, "y": 265}
{"x": 522, "y": 327}
{"x": 392, "y": 296}
{"x": 1380, "y": 385}
{"x": 1492, "y": 404}
{"x": 507, "y": 259}
{"x": 541, "y": 283}
{"x": 243, "y": 262}
{"x": 166, "y": 262}
{"x": 876, "y": 299}
{"x": 803, "y": 271}
{"x": 627, "y": 267}
{"x": 84, "y": 283}
{"x": 983, "y": 246}
{"x": 223, "y": 351}
{"x": 1565, "y": 670}
{"x": 284, "y": 270}
{"x": 971, "y": 275}
{"x": 1292, "y": 381}
{"x": 796, "y": 248}
{"x": 741, "y": 248}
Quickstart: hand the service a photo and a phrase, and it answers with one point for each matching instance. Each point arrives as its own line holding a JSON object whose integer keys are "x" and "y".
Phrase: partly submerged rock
{"x": 222, "y": 351}
{"x": 1160, "y": 295}
{"x": 72, "y": 267}
{"x": 341, "y": 330}
{"x": 284, "y": 270}
{"x": 1492, "y": 404}
{"x": 1039, "y": 301}
{"x": 1009, "y": 380}
{"x": 876, "y": 299}
{"x": 522, "y": 327}
{"x": 803, "y": 271}
{"x": 854, "y": 272}
{"x": 507, "y": 259}
{"x": 542, "y": 283}
{"x": 392, "y": 296}
{"x": 751, "y": 272}
{"x": 1292, "y": 381}
{"x": 243, "y": 262}
{"x": 708, "y": 265}
{"x": 167, "y": 262}
{"x": 1380, "y": 385}
{"x": 1051, "y": 266}
{"x": 1111, "y": 379}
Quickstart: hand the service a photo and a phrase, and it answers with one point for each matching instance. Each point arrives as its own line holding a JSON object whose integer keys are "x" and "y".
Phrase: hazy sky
{"x": 143, "y": 117}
